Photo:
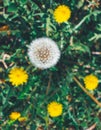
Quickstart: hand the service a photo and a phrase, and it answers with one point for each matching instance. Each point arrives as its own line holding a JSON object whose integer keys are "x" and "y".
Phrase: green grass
{"x": 78, "y": 39}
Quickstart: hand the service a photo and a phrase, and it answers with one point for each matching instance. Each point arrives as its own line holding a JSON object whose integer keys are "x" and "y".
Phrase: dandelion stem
{"x": 89, "y": 94}
{"x": 48, "y": 87}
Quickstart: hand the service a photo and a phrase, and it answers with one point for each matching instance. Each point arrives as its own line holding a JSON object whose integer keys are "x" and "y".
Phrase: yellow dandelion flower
{"x": 54, "y": 109}
{"x": 62, "y": 13}
{"x": 22, "y": 119}
{"x": 18, "y": 76}
{"x": 91, "y": 82}
{"x": 14, "y": 115}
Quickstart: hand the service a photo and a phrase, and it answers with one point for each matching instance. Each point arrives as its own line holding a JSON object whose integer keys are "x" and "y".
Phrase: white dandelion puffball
{"x": 43, "y": 53}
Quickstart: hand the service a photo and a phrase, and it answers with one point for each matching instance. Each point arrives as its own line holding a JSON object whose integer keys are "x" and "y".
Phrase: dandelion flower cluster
{"x": 43, "y": 53}
{"x": 54, "y": 109}
{"x": 14, "y": 115}
{"x": 18, "y": 76}
{"x": 62, "y": 13}
{"x": 91, "y": 82}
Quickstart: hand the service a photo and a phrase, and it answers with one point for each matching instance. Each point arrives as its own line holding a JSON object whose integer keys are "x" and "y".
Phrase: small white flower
{"x": 43, "y": 53}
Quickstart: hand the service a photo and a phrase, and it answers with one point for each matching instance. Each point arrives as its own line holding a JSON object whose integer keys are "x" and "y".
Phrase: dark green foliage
{"x": 79, "y": 39}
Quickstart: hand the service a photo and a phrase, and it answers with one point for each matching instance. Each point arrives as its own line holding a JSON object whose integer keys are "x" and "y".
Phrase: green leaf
{"x": 12, "y": 8}
{"x": 23, "y": 1}
{"x": 79, "y": 47}
{"x": 49, "y": 26}
{"x": 95, "y": 37}
{"x": 6, "y": 2}
{"x": 2, "y": 19}
{"x": 98, "y": 27}
{"x": 80, "y": 3}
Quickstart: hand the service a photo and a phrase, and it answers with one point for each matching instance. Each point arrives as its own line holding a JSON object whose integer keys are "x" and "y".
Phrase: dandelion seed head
{"x": 43, "y": 53}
